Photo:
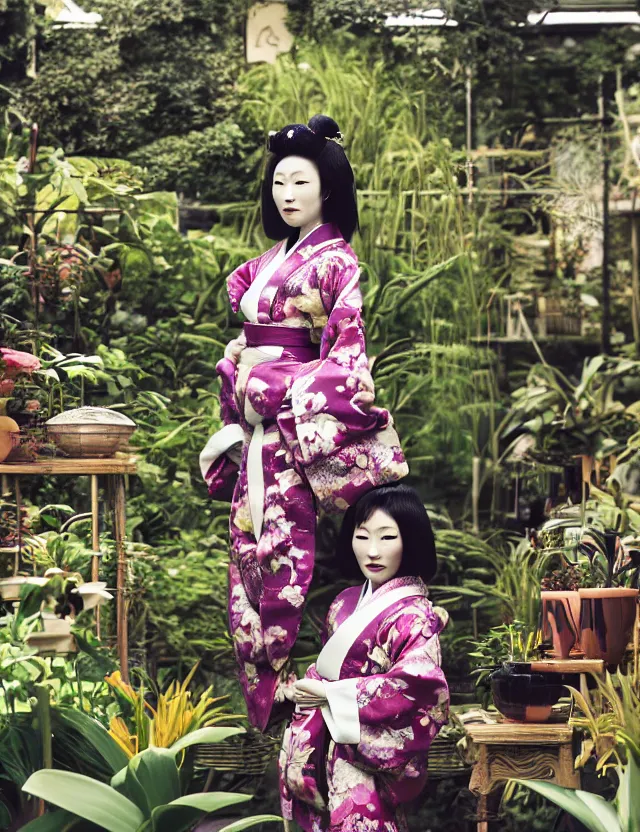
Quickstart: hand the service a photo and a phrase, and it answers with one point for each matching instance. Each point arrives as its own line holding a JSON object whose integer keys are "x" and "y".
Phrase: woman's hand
{"x": 309, "y": 693}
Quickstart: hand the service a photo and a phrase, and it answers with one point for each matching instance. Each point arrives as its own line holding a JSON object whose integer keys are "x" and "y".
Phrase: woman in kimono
{"x": 300, "y": 428}
{"x": 368, "y": 710}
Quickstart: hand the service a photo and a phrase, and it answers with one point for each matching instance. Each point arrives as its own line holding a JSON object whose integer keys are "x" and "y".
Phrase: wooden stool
{"x": 527, "y": 751}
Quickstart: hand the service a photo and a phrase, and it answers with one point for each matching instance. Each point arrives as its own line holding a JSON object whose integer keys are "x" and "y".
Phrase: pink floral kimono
{"x": 349, "y": 766}
{"x": 300, "y": 427}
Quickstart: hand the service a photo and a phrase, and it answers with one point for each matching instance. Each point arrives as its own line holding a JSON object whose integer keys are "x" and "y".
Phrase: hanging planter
{"x": 10, "y": 587}
{"x": 56, "y": 636}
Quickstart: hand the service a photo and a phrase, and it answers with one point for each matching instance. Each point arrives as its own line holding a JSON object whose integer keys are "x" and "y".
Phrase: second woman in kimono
{"x": 300, "y": 427}
{"x": 368, "y": 710}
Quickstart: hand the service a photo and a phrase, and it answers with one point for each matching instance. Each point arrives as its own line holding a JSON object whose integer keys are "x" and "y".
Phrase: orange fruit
{"x": 9, "y": 436}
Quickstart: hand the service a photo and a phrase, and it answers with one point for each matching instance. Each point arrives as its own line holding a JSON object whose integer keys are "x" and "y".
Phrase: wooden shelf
{"x": 527, "y": 733}
{"x": 77, "y": 467}
{"x": 568, "y": 666}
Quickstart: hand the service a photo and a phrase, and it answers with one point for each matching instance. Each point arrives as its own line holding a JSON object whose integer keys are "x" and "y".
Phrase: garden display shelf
{"x": 505, "y": 750}
{"x": 115, "y": 470}
{"x": 568, "y": 666}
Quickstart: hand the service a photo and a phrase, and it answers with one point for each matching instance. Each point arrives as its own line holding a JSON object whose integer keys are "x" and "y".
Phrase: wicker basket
{"x": 248, "y": 753}
{"x": 445, "y": 759}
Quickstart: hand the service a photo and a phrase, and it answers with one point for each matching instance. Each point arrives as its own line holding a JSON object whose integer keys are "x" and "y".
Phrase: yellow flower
{"x": 120, "y": 733}
{"x": 115, "y": 680}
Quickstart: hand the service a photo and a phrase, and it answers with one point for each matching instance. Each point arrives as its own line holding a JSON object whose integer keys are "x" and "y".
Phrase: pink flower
{"x": 17, "y": 362}
{"x": 32, "y": 405}
{"x": 6, "y": 386}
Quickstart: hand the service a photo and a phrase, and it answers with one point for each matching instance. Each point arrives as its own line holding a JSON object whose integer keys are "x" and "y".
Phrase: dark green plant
{"x": 146, "y": 795}
{"x": 567, "y": 418}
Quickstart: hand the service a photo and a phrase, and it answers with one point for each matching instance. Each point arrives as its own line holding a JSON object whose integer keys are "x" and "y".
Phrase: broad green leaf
{"x": 95, "y": 734}
{"x": 60, "y": 821}
{"x": 205, "y": 735}
{"x": 628, "y": 794}
{"x": 180, "y": 814}
{"x": 573, "y": 803}
{"x": 118, "y": 780}
{"x": 156, "y": 771}
{"x": 246, "y": 823}
{"x": 86, "y": 798}
{"x": 131, "y": 788}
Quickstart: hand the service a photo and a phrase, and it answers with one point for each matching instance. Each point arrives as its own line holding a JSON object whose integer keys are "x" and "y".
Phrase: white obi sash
{"x": 341, "y": 714}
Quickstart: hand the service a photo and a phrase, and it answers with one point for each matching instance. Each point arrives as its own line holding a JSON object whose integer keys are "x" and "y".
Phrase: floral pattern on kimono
{"x": 392, "y": 671}
{"x": 324, "y": 443}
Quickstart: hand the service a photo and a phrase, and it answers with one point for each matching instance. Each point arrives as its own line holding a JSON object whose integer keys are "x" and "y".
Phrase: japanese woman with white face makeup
{"x": 299, "y": 426}
{"x": 377, "y": 689}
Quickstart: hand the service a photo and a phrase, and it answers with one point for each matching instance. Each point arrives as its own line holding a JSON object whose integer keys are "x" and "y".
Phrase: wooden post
{"x": 119, "y": 516}
{"x": 16, "y": 557}
{"x": 95, "y": 540}
{"x": 469, "y": 131}
{"x": 475, "y": 493}
{"x": 636, "y": 645}
{"x": 635, "y": 282}
{"x": 606, "y": 164}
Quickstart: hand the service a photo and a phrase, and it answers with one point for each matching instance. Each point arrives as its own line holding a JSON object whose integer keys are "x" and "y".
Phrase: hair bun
{"x": 325, "y": 126}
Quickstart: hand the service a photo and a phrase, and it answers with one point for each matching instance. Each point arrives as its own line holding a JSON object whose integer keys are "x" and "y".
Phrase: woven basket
{"x": 445, "y": 759}
{"x": 245, "y": 754}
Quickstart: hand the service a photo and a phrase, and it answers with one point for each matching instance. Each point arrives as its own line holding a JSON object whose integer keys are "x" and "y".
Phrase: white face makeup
{"x": 377, "y": 545}
{"x": 297, "y": 193}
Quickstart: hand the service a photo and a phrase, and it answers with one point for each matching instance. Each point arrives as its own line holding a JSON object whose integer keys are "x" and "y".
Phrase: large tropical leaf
{"x": 180, "y": 814}
{"x": 86, "y": 798}
{"x": 60, "y": 821}
{"x": 590, "y": 809}
{"x": 204, "y": 735}
{"x": 156, "y": 771}
{"x": 627, "y": 796}
{"x": 245, "y": 823}
{"x": 96, "y": 735}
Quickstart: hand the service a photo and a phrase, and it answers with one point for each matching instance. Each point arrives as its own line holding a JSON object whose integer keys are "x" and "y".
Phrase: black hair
{"x": 315, "y": 142}
{"x": 401, "y": 502}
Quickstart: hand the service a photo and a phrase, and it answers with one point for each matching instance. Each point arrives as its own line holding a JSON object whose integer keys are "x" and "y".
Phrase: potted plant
{"x": 147, "y": 792}
{"x": 567, "y": 419}
{"x": 607, "y": 601}
{"x": 504, "y": 657}
{"x": 611, "y": 718}
{"x": 561, "y": 608}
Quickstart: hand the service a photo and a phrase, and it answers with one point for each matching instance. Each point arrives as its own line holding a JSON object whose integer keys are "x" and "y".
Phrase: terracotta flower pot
{"x": 560, "y": 620}
{"x": 607, "y": 615}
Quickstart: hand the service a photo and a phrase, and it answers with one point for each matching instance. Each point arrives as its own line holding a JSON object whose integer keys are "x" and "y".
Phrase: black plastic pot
{"x": 524, "y": 696}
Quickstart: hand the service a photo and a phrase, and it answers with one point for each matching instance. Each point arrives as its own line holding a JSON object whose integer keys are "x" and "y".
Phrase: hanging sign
{"x": 267, "y": 33}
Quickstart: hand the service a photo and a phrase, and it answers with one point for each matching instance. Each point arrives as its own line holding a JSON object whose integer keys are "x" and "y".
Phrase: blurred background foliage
{"x": 152, "y": 129}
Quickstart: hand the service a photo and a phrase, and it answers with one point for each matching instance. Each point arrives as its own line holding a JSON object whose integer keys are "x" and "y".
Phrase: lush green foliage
{"x": 147, "y": 794}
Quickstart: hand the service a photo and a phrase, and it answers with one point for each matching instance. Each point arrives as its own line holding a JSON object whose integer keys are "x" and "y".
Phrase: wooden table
{"x": 116, "y": 469}
{"x": 526, "y": 751}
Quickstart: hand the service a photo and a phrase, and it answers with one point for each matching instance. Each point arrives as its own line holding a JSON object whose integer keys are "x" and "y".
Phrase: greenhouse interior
{"x": 385, "y": 580}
